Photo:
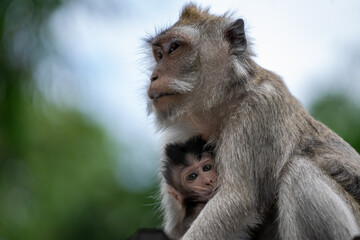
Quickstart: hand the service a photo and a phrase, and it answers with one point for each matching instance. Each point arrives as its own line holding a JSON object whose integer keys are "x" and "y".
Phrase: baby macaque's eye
{"x": 207, "y": 167}
{"x": 192, "y": 176}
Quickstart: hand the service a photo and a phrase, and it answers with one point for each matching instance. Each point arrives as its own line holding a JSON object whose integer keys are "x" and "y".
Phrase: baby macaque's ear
{"x": 175, "y": 194}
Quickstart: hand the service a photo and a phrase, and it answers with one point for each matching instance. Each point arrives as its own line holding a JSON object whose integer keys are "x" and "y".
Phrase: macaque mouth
{"x": 157, "y": 95}
{"x": 209, "y": 194}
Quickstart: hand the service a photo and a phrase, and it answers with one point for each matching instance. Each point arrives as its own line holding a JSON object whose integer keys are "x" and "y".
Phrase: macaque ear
{"x": 235, "y": 35}
{"x": 175, "y": 194}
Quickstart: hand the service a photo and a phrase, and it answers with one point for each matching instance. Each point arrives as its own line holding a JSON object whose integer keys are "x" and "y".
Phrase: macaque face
{"x": 169, "y": 81}
{"x": 200, "y": 177}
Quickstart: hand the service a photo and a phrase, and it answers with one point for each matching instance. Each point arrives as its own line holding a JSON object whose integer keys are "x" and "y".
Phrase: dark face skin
{"x": 198, "y": 179}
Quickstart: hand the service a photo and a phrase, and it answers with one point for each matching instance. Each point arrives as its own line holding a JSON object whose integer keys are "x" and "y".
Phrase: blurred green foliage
{"x": 57, "y": 178}
{"x": 57, "y": 166}
{"x": 340, "y": 114}
{"x": 61, "y": 184}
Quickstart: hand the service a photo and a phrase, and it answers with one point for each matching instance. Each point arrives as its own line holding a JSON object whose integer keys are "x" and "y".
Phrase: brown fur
{"x": 191, "y": 15}
{"x": 269, "y": 150}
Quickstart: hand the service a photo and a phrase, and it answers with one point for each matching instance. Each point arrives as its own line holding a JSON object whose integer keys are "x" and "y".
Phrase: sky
{"x": 99, "y": 65}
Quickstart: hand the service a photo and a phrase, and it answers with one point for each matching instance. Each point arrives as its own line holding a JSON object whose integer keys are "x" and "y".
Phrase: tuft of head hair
{"x": 195, "y": 15}
{"x": 175, "y": 154}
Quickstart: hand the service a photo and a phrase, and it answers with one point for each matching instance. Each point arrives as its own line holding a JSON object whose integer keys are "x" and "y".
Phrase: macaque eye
{"x": 159, "y": 55}
{"x": 207, "y": 168}
{"x": 174, "y": 46}
{"x": 192, "y": 176}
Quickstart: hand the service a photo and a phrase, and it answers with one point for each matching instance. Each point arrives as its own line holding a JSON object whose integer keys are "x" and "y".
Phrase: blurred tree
{"x": 340, "y": 114}
{"x": 56, "y": 165}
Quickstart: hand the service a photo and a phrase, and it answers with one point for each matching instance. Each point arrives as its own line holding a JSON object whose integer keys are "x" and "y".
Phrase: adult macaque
{"x": 269, "y": 150}
{"x": 189, "y": 171}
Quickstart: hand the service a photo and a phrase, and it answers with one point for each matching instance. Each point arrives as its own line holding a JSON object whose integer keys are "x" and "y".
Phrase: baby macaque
{"x": 191, "y": 175}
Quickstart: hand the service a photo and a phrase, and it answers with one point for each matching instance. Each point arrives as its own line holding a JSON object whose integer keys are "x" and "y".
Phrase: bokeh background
{"x": 78, "y": 155}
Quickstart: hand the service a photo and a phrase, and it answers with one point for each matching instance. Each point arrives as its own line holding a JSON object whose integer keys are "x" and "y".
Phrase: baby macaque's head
{"x": 190, "y": 171}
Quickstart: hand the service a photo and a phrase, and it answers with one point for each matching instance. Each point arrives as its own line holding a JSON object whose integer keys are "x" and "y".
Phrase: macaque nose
{"x": 154, "y": 77}
{"x": 209, "y": 181}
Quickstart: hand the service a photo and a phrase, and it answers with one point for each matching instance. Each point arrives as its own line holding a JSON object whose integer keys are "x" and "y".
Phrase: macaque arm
{"x": 221, "y": 219}
{"x": 234, "y": 207}
{"x": 247, "y": 178}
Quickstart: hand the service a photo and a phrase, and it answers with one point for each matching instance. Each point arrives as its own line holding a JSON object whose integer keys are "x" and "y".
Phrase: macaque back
{"x": 269, "y": 150}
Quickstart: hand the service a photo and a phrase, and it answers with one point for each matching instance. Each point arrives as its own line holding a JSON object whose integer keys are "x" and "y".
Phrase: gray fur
{"x": 301, "y": 205}
{"x": 268, "y": 148}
